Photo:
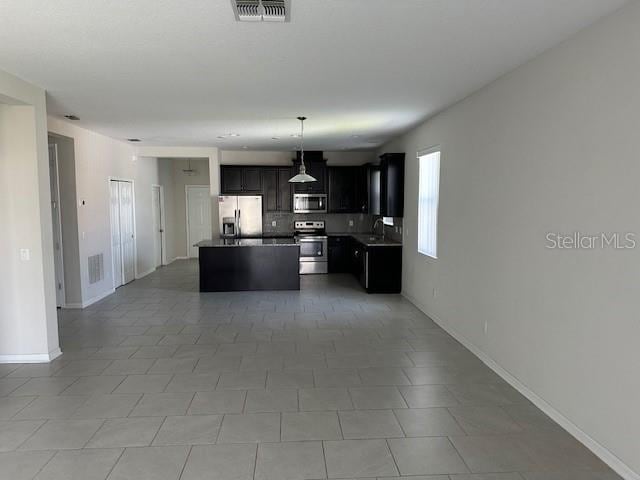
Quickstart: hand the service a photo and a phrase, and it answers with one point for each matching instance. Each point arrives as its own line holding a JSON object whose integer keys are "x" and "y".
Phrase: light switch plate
{"x": 351, "y": 223}
{"x": 25, "y": 254}
{"x": 273, "y": 223}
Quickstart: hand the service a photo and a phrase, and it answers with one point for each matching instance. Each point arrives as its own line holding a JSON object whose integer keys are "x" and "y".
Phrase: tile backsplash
{"x": 335, "y": 223}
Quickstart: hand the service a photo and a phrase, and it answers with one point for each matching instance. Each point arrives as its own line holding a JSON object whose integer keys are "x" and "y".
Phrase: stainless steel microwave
{"x": 309, "y": 203}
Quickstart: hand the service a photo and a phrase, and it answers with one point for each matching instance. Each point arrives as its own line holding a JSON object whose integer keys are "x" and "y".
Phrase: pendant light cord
{"x": 302, "y": 119}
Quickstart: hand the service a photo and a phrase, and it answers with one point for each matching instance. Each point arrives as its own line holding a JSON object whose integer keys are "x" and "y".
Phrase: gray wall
{"x": 69, "y": 214}
{"x": 551, "y": 147}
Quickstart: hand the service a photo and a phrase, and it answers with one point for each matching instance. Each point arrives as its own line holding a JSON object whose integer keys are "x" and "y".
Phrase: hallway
{"x": 327, "y": 382}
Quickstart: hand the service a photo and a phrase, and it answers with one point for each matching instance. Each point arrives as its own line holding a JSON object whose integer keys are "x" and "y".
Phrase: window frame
{"x": 420, "y": 154}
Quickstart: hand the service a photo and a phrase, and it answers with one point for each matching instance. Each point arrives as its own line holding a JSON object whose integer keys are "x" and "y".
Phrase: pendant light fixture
{"x": 302, "y": 176}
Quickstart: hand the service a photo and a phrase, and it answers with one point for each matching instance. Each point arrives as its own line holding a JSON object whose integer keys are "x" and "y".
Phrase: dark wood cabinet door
{"x": 270, "y": 189}
{"x": 251, "y": 179}
{"x": 340, "y": 255}
{"x": 392, "y": 185}
{"x": 361, "y": 180}
{"x": 284, "y": 189}
{"x": 230, "y": 180}
{"x": 348, "y": 191}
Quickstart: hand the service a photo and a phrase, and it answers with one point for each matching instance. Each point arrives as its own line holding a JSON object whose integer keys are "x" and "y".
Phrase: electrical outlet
{"x": 486, "y": 327}
{"x": 351, "y": 223}
{"x": 273, "y": 223}
{"x": 25, "y": 254}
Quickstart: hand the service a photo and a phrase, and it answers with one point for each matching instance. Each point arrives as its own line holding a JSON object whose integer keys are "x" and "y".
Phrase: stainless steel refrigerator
{"x": 240, "y": 216}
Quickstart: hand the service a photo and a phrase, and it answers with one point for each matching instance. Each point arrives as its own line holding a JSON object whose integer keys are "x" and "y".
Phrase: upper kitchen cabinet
{"x": 276, "y": 189}
{"x": 386, "y": 186}
{"x": 317, "y": 168}
{"x": 347, "y": 190}
{"x": 237, "y": 179}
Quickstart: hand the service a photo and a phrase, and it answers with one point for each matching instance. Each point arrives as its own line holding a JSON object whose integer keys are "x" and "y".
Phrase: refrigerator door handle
{"x": 238, "y": 223}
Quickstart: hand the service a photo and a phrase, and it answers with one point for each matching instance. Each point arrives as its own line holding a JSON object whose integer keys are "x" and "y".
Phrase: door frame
{"x": 186, "y": 204}
{"x": 59, "y": 222}
{"x": 163, "y": 225}
{"x": 135, "y": 233}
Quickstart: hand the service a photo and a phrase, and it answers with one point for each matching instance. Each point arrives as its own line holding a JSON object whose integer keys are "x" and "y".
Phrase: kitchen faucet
{"x": 381, "y": 220}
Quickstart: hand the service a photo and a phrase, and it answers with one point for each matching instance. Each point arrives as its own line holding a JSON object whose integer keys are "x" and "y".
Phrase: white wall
{"x": 248, "y": 157}
{"x": 551, "y": 147}
{"x": 28, "y": 322}
{"x": 97, "y": 159}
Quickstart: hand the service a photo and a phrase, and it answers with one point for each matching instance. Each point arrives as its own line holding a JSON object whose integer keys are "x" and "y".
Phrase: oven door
{"x": 313, "y": 254}
{"x": 309, "y": 203}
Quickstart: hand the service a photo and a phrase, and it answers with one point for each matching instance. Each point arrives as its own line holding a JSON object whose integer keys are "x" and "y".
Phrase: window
{"x": 387, "y": 221}
{"x": 428, "y": 195}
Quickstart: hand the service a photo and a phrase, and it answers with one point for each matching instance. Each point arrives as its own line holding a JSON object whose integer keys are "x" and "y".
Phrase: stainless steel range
{"x": 312, "y": 238}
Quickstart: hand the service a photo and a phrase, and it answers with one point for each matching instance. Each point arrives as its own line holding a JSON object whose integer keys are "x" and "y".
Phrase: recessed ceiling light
{"x": 133, "y": 139}
{"x": 72, "y": 117}
{"x": 222, "y": 137}
{"x": 295, "y": 135}
{"x": 275, "y": 138}
{"x": 233, "y": 134}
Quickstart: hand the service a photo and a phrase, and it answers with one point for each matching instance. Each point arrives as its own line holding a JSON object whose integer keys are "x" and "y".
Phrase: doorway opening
{"x": 56, "y": 221}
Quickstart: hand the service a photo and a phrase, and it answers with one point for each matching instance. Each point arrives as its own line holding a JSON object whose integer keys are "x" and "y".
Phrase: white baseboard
{"x": 31, "y": 358}
{"x": 176, "y": 258}
{"x": 91, "y": 301}
{"x": 72, "y": 306}
{"x": 598, "y": 449}
{"x": 144, "y": 274}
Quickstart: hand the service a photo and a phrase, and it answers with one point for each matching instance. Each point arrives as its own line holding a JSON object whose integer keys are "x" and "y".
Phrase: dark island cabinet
{"x": 347, "y": 190}
{"x": 276, "y": 189}
{"x": 236, "y": 179}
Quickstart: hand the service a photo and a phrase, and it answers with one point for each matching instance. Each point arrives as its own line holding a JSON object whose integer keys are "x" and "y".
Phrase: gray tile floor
{"x": 161, "y": 382}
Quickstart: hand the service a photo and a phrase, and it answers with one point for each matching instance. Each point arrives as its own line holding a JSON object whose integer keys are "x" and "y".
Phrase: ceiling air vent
{"x": 262, "y": 10}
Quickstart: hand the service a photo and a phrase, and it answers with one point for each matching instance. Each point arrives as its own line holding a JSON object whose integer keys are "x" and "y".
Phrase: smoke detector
{"x": 262, "y": 10}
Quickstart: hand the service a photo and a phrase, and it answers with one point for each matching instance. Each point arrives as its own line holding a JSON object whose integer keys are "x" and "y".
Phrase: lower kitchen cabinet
{"x": 378, "y": 268}
{"x": 340, "y": 254}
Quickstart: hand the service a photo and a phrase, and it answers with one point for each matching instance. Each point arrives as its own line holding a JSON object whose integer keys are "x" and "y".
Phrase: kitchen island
{"x": 241, "y": 264}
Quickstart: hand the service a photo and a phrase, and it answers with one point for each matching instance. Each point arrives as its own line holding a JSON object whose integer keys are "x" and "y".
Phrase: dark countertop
{"x": 368, "y": 239}
{"x": 248, "y": 242}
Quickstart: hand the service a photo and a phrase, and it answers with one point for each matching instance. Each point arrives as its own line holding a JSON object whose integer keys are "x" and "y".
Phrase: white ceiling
{"x": 176, "y": 72}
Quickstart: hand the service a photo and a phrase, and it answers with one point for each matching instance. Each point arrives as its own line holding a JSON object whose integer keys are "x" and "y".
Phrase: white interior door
{"x": 127, "y": 237}
{"x": 198, "y": 217}
{"x": 158, "y": 226}
{"x": 56, "y": 219}
{"x": 115, "y": 233}
{"x": 122, "y": 232}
